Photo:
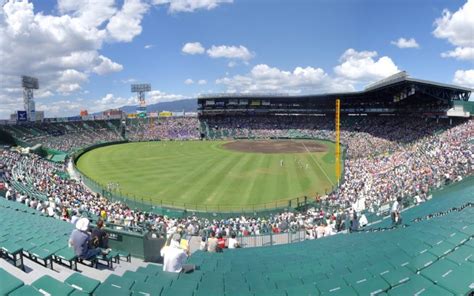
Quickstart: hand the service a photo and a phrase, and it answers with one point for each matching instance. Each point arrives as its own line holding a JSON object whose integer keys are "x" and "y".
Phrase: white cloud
{"x": 406, "y": 43}
{"x": 263, "y": 78}
{"x": 61, "y": 50}
{"x": 68, "y": 88}
{"x": 231, "y": 52}
{"x": 464, "y": 78}
{"x": 176, "y": 6}
{"x": 202, "y": 82}
{"x": 107, "y": 66}
{"x": 61, "y": 108}
{"x": 457, "y": 28}
{"x": 156, "y": 96}
{"x": 148, "y": 46}
{"x": 193, "y": 48}
{"x": 363, "y": 67}
{"x": 355, "y": 68}
{"x": 126, "y": 24}
{"x": 110, "y": 101}
{"x": 460, "y": 53}
{"x": 188, "y": 81}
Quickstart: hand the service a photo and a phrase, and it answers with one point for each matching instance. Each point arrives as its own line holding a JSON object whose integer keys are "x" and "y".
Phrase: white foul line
{"x": 312, "y": 157}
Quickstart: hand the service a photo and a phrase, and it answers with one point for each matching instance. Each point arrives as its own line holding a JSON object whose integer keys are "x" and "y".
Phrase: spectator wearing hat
{"x": 174, "y": 257}
{"x": 80, "y": 240}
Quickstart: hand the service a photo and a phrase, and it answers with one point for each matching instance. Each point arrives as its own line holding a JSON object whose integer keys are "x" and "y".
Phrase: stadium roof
{"x": 392, "y": 83}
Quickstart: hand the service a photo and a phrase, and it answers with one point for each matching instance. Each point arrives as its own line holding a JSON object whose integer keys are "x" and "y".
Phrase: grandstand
{"x": 404, "y": 138}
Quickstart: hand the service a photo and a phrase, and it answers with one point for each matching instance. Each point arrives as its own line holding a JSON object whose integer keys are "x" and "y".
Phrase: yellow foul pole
{"x": 338, "y": 140}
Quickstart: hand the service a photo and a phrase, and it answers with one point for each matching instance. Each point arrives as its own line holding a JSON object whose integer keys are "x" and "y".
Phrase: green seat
{"x": 357, "y": 277}
{"x": 341, "y": 291}
{"x": 436, "y": 290}
{"x": 458, "y": 238}
{"x": 399, "y": 259}
{"x": 79, "y": 293}
{"x": 439, "y": 270}
{"x": 461, "y": 255}
{"x": 441, "y": 249}
{"x": 119, "y": 282}
{"x": 398, "y": 276}
{"x": 177, "y": 290}
{"x": 11, "y": 247}
{"x": 421, "y": 261}
{"x": 82, "y": 283}
{"x": 415, "y": 286}
{"x": 331, "y": 285}
{"x": 25, "y": 291}
{"x": 372, "y": 286}
{"x": 66, "y": 254}
{"x": 108, "y": 290}
{"x": 307, "y": 290}
{"x": 380, "y": 268}
{"x": 136, "y": 276}
{"x": 52, "y": 286}
{"x": 146, "y": 289}
{"x": 460, "y": 280}
{"x": 8, "y": 282}
{"x": 146, "y": 271}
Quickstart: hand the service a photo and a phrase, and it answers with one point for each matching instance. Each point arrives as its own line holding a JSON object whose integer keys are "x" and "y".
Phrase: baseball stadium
{"x": 359, "y": 192}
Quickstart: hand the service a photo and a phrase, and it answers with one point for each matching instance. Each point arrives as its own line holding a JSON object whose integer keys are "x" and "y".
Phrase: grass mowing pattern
{"x": 204, "y": 173}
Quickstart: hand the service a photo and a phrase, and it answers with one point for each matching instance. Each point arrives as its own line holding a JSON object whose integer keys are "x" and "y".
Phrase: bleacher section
{"x": 432, "y": 254}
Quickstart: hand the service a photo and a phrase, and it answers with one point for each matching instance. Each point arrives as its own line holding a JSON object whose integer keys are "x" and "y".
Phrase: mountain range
{"x": 186, "y": 105}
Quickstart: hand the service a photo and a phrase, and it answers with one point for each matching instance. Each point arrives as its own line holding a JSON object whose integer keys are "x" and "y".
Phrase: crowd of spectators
{"x": 389, "y": 158}
{"x": 166, "y": 128}
{"x": 66, "y": 136}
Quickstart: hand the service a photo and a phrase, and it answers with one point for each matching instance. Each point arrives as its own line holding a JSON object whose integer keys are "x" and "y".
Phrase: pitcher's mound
{"x": 276, "y": 146}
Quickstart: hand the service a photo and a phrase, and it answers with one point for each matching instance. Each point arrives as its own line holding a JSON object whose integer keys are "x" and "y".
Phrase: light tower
{"x": 29, "y": 84}
{"x": 141, "y": 89}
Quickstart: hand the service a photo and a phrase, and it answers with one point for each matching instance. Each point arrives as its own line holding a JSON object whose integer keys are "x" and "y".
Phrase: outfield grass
{"x": 205, "y": 173}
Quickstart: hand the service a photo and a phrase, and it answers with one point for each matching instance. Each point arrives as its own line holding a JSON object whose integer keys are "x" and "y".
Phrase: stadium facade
{"x": 397, "y": 94}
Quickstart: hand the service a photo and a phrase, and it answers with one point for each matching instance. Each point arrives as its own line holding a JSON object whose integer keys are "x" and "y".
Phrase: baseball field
{"x": 214, "y": 174}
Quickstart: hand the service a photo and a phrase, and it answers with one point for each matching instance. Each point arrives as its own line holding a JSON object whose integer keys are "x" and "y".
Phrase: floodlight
{"x": 29, "y": 82}
{"x": 143, "y": 87}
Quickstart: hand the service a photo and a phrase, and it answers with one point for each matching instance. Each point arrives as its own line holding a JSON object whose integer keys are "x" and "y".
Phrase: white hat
{"x": 82, "y": 224}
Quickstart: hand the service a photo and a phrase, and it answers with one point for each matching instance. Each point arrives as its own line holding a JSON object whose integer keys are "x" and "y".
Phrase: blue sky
{"x": 86, "y": 54}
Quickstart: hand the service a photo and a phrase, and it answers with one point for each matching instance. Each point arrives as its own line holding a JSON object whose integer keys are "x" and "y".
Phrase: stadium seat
{"x": 372, "y": 286}
{"x": 82, "y": 283}
{"x": 398, "y": 276}
{"x": 459, "y": 280}
{"x": 135, "y": 276}
{"x": 142, "y": 288}
{"x": 25, "y": 291}
{"x": 119, "y": 282}
{"x": 8, "y": 283}
{"x": 461, "y": 255}
{"x": 66, "y": 256}
{"x": 47, "y": 284}
{"x": 421, "y": 261}
{"x": 108, "y": 289}
{"x": 417, "y": 285}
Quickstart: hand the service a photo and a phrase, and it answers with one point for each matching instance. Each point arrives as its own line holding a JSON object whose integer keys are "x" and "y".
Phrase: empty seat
{"x": 47, "y": 284}
{"x": 25, "y": 291}
{"x": 460, "y": 280}
{"x": 417, "y": 285}
{"x": 119, "y": 282}
{"x": 82, "y": 283}
{"x": 398, "y": 276}
{"x": 8, "y": 283}
{"x": 135, "y": 276}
